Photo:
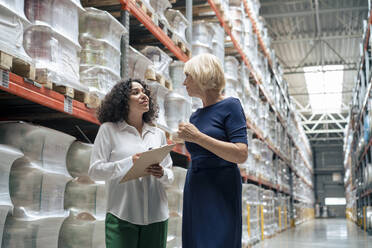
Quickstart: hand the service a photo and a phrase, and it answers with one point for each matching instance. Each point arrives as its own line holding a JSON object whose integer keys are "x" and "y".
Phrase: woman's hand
{"x": 156, "y": 170}
{"x": 188, "y": 132}
{"x": 135, "y": 157}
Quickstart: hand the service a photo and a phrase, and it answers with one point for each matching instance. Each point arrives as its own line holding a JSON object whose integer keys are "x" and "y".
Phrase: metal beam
{"x": 307, "y": 13}
{"x": 324, "y": 122}
{"x": 334, "y": 51}
{"x": 300, "y": 65}
{"x": 312, "y": 38}
{"x": 326, "y": 131}
{"x": 276, "y": 3}
{"x": 317, "y": 122}
{"x": 302, "y": 72}
{"x": 317, "y": 12}
{"x": 297, "y": 69}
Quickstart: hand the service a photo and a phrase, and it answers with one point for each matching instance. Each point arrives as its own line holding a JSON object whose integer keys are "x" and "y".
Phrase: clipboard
{"x": 153, "y": 156}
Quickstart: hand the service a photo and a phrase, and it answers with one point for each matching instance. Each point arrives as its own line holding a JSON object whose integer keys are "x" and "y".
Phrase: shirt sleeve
{"x": 235, "y": 124}
{"x": 100, "y": 168}
{"x": 167, "y": 163}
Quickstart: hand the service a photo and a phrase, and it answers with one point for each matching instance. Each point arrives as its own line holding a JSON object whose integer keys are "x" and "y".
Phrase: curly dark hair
{"x": 115, "y": 107}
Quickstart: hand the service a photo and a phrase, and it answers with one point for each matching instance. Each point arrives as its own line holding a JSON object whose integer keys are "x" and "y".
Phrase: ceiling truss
{"x": 323, "y": 125}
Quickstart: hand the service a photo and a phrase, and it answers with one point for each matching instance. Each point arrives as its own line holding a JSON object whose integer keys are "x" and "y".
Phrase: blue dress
{"x": 212, "y": 205}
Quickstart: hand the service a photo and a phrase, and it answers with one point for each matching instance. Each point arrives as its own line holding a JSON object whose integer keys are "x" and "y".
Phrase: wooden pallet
{"x": 181, "y": 44}
{"x": 166, "y": 28}
{"x": 161, "y": 80}
{"x": 145, "y": 9}
{"x": 227, "y": 21}
{"x": 91, "y": 100}
{"x": 18, "y": 66}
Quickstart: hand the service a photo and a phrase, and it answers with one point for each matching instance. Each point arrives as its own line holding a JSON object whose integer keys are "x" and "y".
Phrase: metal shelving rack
{"x": 257, "y": 131}
{"x": 358, "y": 163}
{"x": 279, "y": 117}
{"x": 36, "y": 93}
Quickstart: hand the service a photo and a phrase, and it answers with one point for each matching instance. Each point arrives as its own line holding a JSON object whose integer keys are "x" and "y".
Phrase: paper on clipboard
{"x": 154, "y": 156}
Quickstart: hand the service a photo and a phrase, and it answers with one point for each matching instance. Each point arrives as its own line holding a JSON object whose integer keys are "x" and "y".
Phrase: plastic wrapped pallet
{"x": 177, "y": 109}
{"x": 159, "y": 7}
{"x": 56, "y": 57}
{"x": 25, "y": 231}
{"x": 178, "y": 22}
{"x": 4, "y": 211}
{"x": 61, "y": 15}
{"x": 236, "y": 17}
{"x": 101, "y": 25}
{"x": 101, "y": 53}
{"x": 218, "y": 42}
{"x": 100, "y": 37}
{"x": 175, "y": 201}
{"x": 179, "y": 178}
{"x": 82, "y": 230}
{"x": 159, "y": 93}
{"x": 138, "y": 64}
{"x": 84, "y": 195}
{"x": 98, "y": 79}
{"x": 78, "y": 159}
{"x": 231, "y": 75}
{"x": 159, "y": 58}
{"x": 8, "y": 155}
{"x": 37, "y": 190}
{"x": 178, "y": 77}
{"x": 174, "y": 239}
{"x": 16, "y": 6}
{"x": 12, "y": 25}
{"x": 202, "y": 34}
{"x": 43, "y": 146}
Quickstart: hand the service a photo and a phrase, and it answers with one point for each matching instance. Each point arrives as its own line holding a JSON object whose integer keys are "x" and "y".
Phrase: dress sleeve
{"x": 168, "y": 176}
{"x": 100, "y": 168}
{"x": 235, "y": 123}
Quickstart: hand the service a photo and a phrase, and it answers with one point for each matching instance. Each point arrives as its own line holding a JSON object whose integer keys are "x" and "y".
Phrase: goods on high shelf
{"x": 12, "y": 25}
{"x": 100, "y": 37}
{"x": 52, "y": 41}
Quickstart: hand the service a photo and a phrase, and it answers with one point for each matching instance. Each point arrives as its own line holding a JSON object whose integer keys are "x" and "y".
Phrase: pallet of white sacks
{"x": 17, "y": 66}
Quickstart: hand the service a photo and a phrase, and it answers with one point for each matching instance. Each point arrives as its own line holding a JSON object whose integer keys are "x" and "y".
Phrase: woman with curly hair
{"x": 137, "y": 210}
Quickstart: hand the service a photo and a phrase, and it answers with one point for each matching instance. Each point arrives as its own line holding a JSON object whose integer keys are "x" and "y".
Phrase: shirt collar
{"x": 146, "y": 127}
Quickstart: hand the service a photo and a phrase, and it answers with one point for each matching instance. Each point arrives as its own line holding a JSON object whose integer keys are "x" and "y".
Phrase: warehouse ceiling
{"x": 316, "y": 35}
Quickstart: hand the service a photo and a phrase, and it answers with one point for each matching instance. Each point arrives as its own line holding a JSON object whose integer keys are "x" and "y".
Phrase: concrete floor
{"x": 328, "y": 233}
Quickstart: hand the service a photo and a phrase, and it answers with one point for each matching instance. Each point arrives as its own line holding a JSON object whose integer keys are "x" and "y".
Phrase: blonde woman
{"x": 216, "y": 138}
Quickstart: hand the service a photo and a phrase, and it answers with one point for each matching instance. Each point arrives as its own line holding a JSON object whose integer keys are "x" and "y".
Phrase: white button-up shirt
{"x": 140, "y": 201}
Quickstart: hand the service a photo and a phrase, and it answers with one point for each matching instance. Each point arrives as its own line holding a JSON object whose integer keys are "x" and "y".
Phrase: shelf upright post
{"x": 124, "y": 60}
{"x": 291, "y": 205}
{"x": 189, "y": 19}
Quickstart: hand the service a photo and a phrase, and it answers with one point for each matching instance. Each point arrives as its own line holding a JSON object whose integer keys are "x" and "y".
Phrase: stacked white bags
{"x": 175, "y": 202}
{"x": 100, "y": 38}
{"x": 12, "y": 25}
{"x": 52, "y": 40}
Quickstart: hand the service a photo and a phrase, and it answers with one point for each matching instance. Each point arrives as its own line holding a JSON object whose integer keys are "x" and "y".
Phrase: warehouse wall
{"x": 328, "y": 165}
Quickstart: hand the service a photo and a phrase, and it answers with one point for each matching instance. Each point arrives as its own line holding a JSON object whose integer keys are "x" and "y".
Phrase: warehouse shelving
{"x": 265, "y": 183}
{"x": 267, "y": 55}
{"x": 36, "y": 93}
{"x": 259, "y": 82}
{"x": 131, "y": 6}
{"x": 354, "y": 162}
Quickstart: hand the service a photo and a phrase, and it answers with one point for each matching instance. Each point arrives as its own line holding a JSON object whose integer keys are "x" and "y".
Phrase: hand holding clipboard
{"x": 154, "y": 156}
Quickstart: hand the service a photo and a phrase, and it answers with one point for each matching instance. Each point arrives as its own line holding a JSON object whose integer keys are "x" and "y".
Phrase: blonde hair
{"x": 206, "y": 70}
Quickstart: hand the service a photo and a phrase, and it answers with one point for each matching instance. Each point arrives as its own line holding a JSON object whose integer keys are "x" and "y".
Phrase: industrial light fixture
{"x": 324, "y": 85}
